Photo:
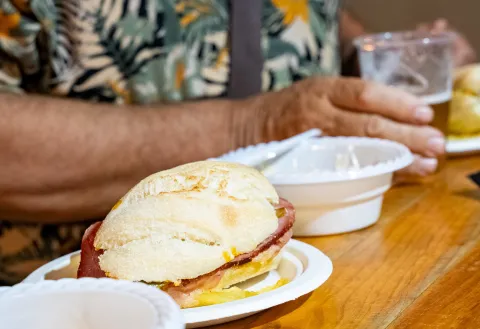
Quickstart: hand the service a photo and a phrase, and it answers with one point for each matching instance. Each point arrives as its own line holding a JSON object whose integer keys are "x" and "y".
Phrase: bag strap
{"x": 246, "y": 57}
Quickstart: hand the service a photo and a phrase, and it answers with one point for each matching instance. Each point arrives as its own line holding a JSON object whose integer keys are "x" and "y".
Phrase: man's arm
{"x": 66, "y": 160}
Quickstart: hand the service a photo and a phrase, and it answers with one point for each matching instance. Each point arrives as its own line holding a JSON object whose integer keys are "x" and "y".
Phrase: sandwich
{"x": 194, "y": 231}
{"x": 464, "y": 120}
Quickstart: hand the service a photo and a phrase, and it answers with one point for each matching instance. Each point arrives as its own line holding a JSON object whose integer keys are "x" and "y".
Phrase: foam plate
{"x": 303, "y": 265}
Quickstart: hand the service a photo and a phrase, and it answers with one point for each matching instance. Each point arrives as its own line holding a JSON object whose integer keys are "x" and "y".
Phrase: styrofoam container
{"x": 336, "y": 184}
{"x": 87, "y": 304}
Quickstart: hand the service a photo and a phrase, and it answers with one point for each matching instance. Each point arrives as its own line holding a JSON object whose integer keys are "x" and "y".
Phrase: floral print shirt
{"x": 141, "y": 51}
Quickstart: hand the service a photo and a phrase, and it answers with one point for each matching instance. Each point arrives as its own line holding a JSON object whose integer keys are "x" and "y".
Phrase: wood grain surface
{"x": 418, "y": 267}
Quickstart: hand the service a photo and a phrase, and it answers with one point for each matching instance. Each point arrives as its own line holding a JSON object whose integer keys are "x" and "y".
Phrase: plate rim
{"x": 400, "y": 161}
{"x": 166, "y": 310}
{"x": 460, "y": 146}
{"x": 50, "y": 266}
{"x": 309, "y": 280}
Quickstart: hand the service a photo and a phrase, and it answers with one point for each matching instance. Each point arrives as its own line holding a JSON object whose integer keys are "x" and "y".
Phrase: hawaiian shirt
{"x": 142, "y": 51}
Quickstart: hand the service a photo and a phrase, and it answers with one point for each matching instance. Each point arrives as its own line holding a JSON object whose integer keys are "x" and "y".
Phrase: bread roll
{"x": 187, "y": 221}
{"x": 465, "y": 107}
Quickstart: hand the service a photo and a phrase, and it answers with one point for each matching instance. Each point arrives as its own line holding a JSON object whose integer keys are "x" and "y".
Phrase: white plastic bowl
{"x": 87, "y": 304}
{"x": 335, "y": 183}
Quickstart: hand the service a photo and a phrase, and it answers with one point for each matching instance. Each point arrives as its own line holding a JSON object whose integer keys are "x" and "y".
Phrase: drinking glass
{"x": 417, "y": 62}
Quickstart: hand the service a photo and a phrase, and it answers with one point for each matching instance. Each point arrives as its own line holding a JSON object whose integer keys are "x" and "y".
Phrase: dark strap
{"x": 246, "y": 56}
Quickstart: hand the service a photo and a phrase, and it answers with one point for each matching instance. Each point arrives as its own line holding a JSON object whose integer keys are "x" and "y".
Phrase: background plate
{"x": 466, "y": 146}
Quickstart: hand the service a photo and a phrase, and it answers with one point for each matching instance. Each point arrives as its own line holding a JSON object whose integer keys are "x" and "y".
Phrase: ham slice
{"x": 89, "y": 266}
{"x": 89, "y": 263}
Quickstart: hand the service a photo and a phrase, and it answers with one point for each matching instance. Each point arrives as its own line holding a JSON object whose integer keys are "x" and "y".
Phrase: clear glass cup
{"x": 418, "y": 62}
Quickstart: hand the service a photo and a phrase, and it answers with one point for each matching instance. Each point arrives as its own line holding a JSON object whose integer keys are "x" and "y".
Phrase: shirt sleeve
{"x": 24, "y": 37}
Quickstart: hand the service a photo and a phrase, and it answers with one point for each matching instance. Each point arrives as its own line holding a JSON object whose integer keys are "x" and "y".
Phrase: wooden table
{"x": 418, "y": 267}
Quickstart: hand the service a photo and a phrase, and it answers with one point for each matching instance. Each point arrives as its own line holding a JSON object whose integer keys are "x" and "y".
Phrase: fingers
{"x": 463, "y": 51}
{"x": 423, "y": 27}
{"x": 424, "y": 140}
{"x": 440, "y": 25}
{"x": 421, "y": 166}
{"x": 369, "y": 97}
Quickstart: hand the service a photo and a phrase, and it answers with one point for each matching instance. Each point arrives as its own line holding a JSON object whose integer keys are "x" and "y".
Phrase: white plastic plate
{"x": 466, "y": 146}
{"x": 303, "y": 265}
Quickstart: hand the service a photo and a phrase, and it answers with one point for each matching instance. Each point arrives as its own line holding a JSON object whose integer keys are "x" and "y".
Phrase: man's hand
{"x": 350, "y": 107}
{"x": 463, "y": 52}
{"x": 72, "y": 160}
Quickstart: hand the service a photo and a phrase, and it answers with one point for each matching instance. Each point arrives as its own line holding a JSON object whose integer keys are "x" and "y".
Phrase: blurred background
{"x": 404, "y": 14}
